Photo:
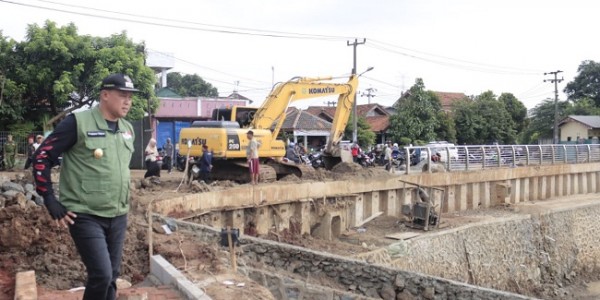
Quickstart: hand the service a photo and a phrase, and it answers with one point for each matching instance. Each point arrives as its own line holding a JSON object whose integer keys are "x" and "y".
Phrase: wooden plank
{"x": 402, "y": 235}
{"x": 369, "y": 219}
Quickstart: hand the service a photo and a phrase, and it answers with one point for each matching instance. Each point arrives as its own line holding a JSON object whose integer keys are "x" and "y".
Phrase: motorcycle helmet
{"x": 395, "y": 144}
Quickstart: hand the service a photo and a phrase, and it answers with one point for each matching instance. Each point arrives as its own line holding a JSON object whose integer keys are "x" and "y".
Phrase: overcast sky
{"x": 455, "y": 46}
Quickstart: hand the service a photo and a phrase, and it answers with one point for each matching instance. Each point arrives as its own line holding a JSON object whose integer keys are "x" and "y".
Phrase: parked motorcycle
{"x": 316, "y": 160}
{"x": 365, "y": 160}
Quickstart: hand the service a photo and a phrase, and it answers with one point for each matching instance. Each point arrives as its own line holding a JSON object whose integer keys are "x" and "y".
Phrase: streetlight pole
{"x": 555, "y": 139}
{"x": 354, "y": 115}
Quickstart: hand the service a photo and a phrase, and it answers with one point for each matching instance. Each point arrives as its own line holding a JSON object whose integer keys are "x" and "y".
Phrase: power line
{"x": 273, "y": 35}
{"x": 205, "y": 67}
{"x": 476, "y": 68}
{"x": 458, "y": 60}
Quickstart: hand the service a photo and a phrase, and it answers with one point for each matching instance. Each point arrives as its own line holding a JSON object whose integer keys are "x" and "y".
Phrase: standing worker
{"x": 9, "y": 152}
{"x": 388, "y": 157}
{"x": 38, "y": 141}
{"x": 97, "y": 145}
{"x": 30, "y": 151}
{"x": 252, "y": 156}
{"x": 205, "y": 164}
{"x": 168, "y": 159}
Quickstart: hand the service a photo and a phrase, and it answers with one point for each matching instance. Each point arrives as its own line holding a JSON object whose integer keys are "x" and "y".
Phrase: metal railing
{"x": 462, "y": 158}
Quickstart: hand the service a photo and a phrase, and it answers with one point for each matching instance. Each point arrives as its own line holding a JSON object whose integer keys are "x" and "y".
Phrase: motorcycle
{"x": 180, "y": 162}
{"x": 365, "y": 160}
{"x": 316, "y": 160}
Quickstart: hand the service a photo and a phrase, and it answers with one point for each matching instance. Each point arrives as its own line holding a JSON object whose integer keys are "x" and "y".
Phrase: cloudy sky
{"x": 467, "y": 46}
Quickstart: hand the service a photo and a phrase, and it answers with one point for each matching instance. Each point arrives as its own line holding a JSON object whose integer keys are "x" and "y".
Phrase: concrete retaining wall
{"x": 527, "y": 254}
{"x": 286, "y": 205}
{"x": 340, "y": 273}
{"x": 464, "y": 190}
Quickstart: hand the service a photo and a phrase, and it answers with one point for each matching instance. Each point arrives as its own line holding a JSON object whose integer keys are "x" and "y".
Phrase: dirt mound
{"x": 345, "y": 167}
{"x": 290, "y": 177}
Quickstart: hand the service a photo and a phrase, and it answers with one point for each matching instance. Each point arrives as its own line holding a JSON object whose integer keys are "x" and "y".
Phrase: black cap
{"x": 118, "y": 82}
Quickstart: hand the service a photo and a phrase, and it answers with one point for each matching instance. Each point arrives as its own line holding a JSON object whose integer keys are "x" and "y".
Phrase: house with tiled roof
{"x": 447, "y": 99}
{"x": 376, "y": 116}
{"x": 579, "y": 129}
{"x": 306, "y": 128}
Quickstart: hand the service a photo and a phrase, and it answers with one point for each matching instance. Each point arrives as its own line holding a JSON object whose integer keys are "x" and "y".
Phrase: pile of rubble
{"x": 18, "y": 192}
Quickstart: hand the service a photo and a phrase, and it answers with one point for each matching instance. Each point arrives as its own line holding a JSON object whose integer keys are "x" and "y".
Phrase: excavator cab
{"x": 241, "y": 114}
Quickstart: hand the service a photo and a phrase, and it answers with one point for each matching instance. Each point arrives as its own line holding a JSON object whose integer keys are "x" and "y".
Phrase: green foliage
{"x": 364, "y": 134}
{"x": 55, "y": 68}
{"x": 446, "y": 129}
{"x": 586, "y": 85}
{"x": 484, "y": 120}
{"x": 541, "y": 122}
{"x": 21, "y": 130}
{"x": 416, "y": 117}
{"x": 516, "y": 109}
{"x": 404, "y": 141}
{"x": 190, "y": 85}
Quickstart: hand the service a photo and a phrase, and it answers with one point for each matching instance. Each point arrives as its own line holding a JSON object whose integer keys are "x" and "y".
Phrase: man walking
{"x": 168, "y": 159}
{"x": 9, "y": 152}
{"x": 252, "y": 156}
{"x": 97, "y": 145}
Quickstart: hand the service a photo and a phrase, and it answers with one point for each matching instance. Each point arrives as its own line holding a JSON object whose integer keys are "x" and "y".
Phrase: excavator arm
{"x": 274, "y": 108}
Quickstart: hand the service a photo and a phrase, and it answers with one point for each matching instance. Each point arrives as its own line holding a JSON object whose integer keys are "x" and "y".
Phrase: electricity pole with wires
{"x": 369, "y": 94}
{"x": 555, "y": 139}
{"x": 354, "y": 117}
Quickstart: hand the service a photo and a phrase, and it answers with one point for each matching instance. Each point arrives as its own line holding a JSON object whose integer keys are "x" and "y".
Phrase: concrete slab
{"x": 169, "y": 275}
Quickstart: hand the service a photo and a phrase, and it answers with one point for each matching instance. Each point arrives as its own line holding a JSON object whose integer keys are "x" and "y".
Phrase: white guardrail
{"x": 461, "y": 158}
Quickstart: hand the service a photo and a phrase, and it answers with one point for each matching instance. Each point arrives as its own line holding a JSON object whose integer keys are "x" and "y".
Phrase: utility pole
{"x": 369, "y": 94}
{"x": 330, "y": 103}
{"x": 354, "y": 116}
{"x": 555, "y": 140}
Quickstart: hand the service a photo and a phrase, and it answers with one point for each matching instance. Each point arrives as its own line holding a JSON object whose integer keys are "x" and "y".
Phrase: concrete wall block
{"x": 583, "y": 180}
{"x": 592, "y": 187}
{"x": 515, "y": 195}
{"x": 359, "y": 210}
{"x": 375, "y": 203}
{"x": 450, "y": 198}
{"x": 25, "y": 286}
{"x": 524, "y": 189}
{"x": 543, "y": 184}
{"x": 484, "y": 194}
{"x": 534, "y": 188}
{"x": 560, "y": 188}
{"x": 551, "y": 189}
{"x": 462, "y": 197}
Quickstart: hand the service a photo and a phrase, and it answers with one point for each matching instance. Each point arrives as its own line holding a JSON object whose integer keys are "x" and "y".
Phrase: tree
{"x": 586, "y": 85}
{"x": 541, "y": 122}
{"x": 416, "y": 116}
{"x": 445, "y": 129}
{"x": 516, "y": 109}
{"x": 12, "y": 106}
{"x": 190, "y": 85}
{"x": 55, "y": 70}
{"x": 484, "y": 120}
{"x": 364, "y": 134}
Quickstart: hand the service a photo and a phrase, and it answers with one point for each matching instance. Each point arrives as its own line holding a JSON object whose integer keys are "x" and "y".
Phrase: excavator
{"x": 225, "y": 133}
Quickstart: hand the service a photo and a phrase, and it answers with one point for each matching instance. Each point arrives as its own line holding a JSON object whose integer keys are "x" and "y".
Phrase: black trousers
{"x": 152, "y": 169}
{"x": 100, "y": 244}
{"x": 169, "y": 162}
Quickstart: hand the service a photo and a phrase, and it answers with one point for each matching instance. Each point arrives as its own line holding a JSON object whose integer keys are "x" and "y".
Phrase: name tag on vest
{"x": 96, "y": 134}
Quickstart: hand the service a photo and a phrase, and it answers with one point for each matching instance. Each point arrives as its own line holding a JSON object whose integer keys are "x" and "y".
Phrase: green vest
{"x": 97, "y": 185}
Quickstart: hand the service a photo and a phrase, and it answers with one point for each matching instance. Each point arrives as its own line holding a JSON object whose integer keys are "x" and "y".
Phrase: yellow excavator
{"x": 225, "y": 133}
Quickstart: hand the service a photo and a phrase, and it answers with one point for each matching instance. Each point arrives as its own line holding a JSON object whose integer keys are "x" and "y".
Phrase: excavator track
{"x": 286, "y": 168}
{"x": 238, "y": 171}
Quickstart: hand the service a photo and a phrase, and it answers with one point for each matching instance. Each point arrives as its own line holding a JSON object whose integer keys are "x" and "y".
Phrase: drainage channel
{"x": 541, "y": 249}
